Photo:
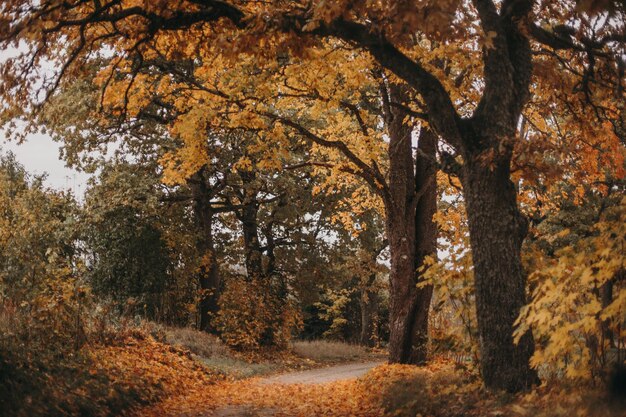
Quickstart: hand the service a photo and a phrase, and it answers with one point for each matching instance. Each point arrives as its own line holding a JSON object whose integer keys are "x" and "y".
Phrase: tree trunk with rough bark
{"x": 400, "y": 233}
{"x": 425, "y": 235}
{"x": 369, "y": 313}
{"x": 410, "y": 187}
{"x": 250, "y": 228}
{"x": 497, "y": 230}
{"x": 251, "y": 244}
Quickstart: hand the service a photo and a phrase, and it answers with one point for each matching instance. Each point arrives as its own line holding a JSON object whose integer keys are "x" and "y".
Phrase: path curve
{"x": 313, "y": 376}
{"x": 323, "y": 375}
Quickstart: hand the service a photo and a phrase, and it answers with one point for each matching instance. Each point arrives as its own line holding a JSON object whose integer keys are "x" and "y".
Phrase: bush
{"x": 97, "y": 380}
{"x": 441, "y": 390}
{"x": 251, "y": 317}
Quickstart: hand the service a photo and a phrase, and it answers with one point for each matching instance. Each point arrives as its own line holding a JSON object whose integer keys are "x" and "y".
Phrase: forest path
{"x": 330, "y": 391}
{"x": 323, "y": 375}
{"x": 311, "y": 377}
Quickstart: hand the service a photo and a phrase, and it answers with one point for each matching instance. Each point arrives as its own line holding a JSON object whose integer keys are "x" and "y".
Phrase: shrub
{"x": 130, "y": 370}
{"x": 251, "y": 317}
{"x": 405, "y": 390}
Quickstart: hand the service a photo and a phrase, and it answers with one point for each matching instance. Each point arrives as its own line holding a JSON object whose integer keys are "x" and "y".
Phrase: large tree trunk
{"x": 208, "y": 274}
{"x": 425, "y": 236}
{"x": 497, "y": 230}
{"x": 403, "y": 288}
{"x": 410, "y": 188}
{"x": 400, "y": 222}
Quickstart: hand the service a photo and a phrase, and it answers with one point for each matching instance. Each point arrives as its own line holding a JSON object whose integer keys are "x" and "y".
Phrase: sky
{"x": 40, "y": 154}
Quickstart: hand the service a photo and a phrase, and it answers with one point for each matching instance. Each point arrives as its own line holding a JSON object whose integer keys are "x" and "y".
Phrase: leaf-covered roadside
{"x": 98, "y": 380}
{"x": 441, "y": 389}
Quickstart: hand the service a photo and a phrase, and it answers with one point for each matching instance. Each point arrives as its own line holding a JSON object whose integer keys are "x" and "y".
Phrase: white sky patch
{"x": 40, "y": 154}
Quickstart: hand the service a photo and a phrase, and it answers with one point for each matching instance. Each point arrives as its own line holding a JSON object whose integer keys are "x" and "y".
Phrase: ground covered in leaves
{"x": 118, "y": 372}
{"x": 99, "y": 379}
{"x": 138, "y": 375}
{"x": 441, "y": 389}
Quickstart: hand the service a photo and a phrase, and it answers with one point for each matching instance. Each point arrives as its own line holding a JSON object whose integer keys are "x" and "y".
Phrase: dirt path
{"x": 323, "y": 375}
{"x": 311, "y": 377}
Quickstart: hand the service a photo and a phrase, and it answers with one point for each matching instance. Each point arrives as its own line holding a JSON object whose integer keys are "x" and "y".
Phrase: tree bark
{"x": 497, "y": 230}
{"x": 369, "y": 313}
{"x": 425, "y": 235}
{"x": 400, "y": 222}
{"x": 208, "y": 275}
{"x": 259, "y": 268}
{"x": 413, "y": 200}
{"x": 250, "y": 228}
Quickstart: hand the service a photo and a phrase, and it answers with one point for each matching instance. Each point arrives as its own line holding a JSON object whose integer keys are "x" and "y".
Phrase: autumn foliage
{"x": 441, "y": 179}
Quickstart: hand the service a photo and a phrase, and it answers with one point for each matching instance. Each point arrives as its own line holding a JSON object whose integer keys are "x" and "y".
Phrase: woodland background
{"x": 283, "y": 185}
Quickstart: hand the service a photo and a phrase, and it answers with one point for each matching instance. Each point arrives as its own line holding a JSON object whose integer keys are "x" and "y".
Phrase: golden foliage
{"x": 566, "y": 311}
{"x": 250, "y": 317}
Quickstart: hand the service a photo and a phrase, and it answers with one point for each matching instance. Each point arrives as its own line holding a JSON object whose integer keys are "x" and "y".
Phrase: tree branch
{"x": 444, "y": 117}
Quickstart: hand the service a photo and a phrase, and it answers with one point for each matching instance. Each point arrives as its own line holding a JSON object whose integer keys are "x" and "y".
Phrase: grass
{"x": 214, "y": 354}
{"x": 324, "y": 351}
{"x": 238, "y": 368}
{"x": 199, "y": 343}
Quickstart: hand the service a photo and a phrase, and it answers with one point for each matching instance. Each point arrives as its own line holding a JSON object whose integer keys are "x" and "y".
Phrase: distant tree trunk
{"x": 208, "y": 274}
{"x": 369, "y": 312}
{"x": 261, "y": 269}
{"x": 252, "y": 247}
{"x": 606, "y": 298}
{"x": 250, "y": 228}
{"x": 409, "y": 306}
{"x": 425, "y": 236}
{"x": 276, "y": 285}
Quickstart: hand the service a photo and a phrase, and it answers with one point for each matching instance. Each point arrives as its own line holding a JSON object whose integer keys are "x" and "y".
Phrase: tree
{"x": 337, "y": 134}
{"x": 39, "y": 262}
{"x": 129, "y": 258}
{"x": 578, "y": 255}
{"x": 479, "y": 124}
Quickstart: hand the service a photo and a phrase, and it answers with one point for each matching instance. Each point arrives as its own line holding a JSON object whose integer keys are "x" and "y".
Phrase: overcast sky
{"x": 40, "y": 154}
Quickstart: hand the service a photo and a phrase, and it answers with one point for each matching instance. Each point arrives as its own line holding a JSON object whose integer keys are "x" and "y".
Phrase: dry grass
{"x": 217, "y": 356}
{"x": 326, "y": 351}
{"x": 214, "y": 354}
{"x": 199, "y": 343}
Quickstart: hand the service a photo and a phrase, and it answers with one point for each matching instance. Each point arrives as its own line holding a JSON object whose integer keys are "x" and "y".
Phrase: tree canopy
{"x": 268, "y": 115}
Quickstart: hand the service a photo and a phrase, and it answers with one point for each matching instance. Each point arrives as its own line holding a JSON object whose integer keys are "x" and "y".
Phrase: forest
{"x": 315, "y": 208}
